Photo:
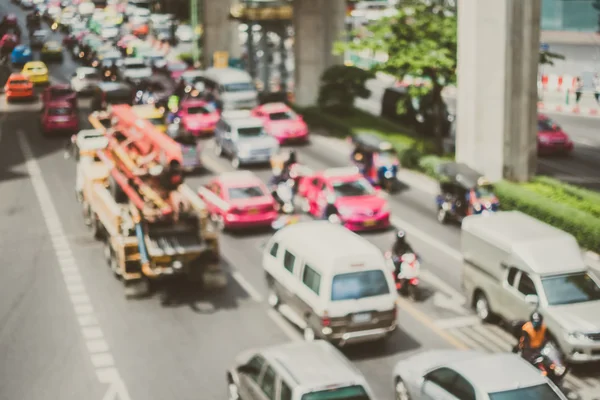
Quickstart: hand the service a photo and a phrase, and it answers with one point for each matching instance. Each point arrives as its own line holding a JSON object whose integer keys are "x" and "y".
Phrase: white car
{"x": 84, "y": 79}
{"x": 184, "y": 33}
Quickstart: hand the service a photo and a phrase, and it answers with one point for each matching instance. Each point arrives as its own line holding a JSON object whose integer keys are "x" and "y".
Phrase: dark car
{"x": 156, "y": 60}
{"x": 155, "y": 90}
{"x": 38, "y": 38}
{"x": 106, "y": 93}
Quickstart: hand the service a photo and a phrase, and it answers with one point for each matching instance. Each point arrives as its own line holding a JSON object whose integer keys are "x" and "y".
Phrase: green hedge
{"x": 566, "y": 207}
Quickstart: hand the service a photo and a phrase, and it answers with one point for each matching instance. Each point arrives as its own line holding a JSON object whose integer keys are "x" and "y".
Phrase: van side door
{"x": 250, "y": 382}
{"x": 308, "y": 296}
{"x": 289, "y": 279}
{"x": 517, "y": 308}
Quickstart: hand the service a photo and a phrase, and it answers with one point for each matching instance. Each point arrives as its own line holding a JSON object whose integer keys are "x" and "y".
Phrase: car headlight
{"x": 560, "y": 370}
{"x": 544, "y": 139}
{"x": 577, "y": 336}
{"x": 345, "y": 212}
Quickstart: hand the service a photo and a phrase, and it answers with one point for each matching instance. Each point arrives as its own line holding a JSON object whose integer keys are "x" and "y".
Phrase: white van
{"x": 331, "y": 282}
{"x": 86, "y": 9}
{"x": 233, "y": 88}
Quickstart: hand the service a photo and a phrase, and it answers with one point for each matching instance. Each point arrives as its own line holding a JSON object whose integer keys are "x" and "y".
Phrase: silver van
{"x": 296, "y": 371}
{"x": 513, "y": 264}
{"x": 233, "y": 88}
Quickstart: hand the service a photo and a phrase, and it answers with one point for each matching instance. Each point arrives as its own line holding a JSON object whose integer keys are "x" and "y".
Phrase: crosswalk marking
{"x": 492, "y": 338}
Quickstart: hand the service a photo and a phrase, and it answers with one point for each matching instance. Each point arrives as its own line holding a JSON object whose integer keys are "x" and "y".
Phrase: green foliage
{"x": 341, "y": 85}
{"x": 585, "y": 227}
{"x": 547, "y": 57}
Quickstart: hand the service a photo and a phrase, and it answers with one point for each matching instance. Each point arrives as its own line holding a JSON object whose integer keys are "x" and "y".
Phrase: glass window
{"x": 251, "y": 131}
{"x": 245, "y": 192}
{"x": 282, "y": 116}
{"x": 274, "y": 249}
{"x": 345, "y": 393}
{"x": 312, "y": 279}
{"x": 136, "y": 66}
{"x": 512, "y": 274}
{"x": 526, "y": 285}
{"x": 286, "y": 392}
{"x": 257, "y": 363}
{"x": 540, "y": 392}
{"x": 60, "y": 111}
{"x": 268, "y": 383}
{"x": 239, "y": 87}
{"x": 203, "y": 110}
{"x": 443, "y": 377}
{"x": 177, "y": 67}
{"x": 19, "y": 82}
{"x": 546, "y": 125}
{"x": 484, "y": 191}
{"x": 288, "y": 261}
{"x": 157, "y": 121}
{"x": 60, "y": 92}
{"x": 358, "y": 285}
{"x": 359, "y": 187}
{"x": 462, "y": 389}
{"x": 570, "y": 289}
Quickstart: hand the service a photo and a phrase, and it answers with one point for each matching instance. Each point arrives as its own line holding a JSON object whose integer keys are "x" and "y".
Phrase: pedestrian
{"x": 578, "y": 89}
{"x": 597, "y": 88}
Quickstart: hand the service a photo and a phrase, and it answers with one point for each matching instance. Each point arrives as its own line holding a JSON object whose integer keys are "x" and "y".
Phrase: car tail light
{"x": 325, "y": 321}
{"x": 414, "y": 281}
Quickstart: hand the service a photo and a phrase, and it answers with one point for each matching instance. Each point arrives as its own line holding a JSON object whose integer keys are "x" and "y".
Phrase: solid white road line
{"x": 457, "y": 322}
{"x": 284, "y": 325}
{"x": 247, "y": 286}
{"x": 100, "y": 356}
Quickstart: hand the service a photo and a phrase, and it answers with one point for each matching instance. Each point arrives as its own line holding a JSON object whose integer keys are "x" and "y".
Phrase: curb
{"x": 559, "y": 108}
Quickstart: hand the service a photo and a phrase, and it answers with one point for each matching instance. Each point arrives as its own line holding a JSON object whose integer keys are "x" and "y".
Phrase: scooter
{"x": 550, "y": 362}
{"x": 406, "y": 270}
{"x": 284, "y": 196}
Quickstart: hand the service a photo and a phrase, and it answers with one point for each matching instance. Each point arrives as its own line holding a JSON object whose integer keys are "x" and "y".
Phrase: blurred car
{"x": 109, "y": 33}
{"x": 175, "y": 68}
{"x": 155, "y": 60}
{"x": 467, "y": 374}
{"x": 191, "y": 79}
{"x": 162, "y": 31}
{"x": 18, "y": 87}
{"x": 27, "y": 4}
{"x": 51, "y": 51}
{"x": 36, "y": 71}
{"x": 59, "y": 116}
{"x": 140, "y": 30}
{"x": 85, "y": 79}
{"x": 198, "y": 117}
{"x": 125, "y": 41}
{"x": 135, "y": 70}
{"x": 184, "y": 34}
{"x": 150, "y": 113}
{"x": 107, "y": 58}
{"x": 360, "y": 205}
{"x": 10, "y": 20}
{"x": 8, "y": 43}
{"x": 60, "y": 93}
{"x": 107, "y": 93}
{"x": 282, "y": 123}
{"x": 21, "y": 55}
{"x": 38, "y": 38}
{"x": 53, "y": 12}
{"x": 551, "y": 138}
{"x": 155, "y": 90}
{"x": 239, "y": 200}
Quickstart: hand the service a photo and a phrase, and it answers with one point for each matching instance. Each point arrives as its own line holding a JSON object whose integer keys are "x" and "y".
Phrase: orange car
{"x": 18, "y": 87}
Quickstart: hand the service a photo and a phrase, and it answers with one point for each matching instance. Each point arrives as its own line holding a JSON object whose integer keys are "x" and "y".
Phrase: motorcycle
{"x": 284, "y": 195}
{"x": 285, "y": 220}
{"x": 406, "y": 271}
{"x": 550, "y": 363}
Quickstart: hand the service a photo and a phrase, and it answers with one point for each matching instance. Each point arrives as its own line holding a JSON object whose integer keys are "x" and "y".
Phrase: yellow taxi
{"x": 52, "y": 50}
{"x": 156, "y": 116}
{"x": 36, "y": 71}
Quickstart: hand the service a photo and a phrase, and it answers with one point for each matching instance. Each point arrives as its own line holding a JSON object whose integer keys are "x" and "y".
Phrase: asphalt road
{"x": 178, "y": 343}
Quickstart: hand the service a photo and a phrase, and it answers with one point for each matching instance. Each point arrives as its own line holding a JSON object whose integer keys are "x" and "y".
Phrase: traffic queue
{"x": 149, "y": 114}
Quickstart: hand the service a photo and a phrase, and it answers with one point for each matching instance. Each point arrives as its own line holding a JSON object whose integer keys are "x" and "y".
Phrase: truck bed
{"x": 173, "y": 245}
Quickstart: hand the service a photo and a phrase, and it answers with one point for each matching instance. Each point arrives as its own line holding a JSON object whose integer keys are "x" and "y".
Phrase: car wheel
{"x": 482, "y": 307}
{"x": 401, "y": 390}
{"x": 218, "y": 149}
{"x": 273, "y": 298}
{"x": 235, "y": 162}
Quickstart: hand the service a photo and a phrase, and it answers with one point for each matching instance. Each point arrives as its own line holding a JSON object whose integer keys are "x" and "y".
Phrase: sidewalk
{"x": 560, "y": 102}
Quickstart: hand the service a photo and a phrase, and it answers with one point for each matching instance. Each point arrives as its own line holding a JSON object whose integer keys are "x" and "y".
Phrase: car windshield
{"x": 40, "y": 35}
{"x": 200, "y": 110}
{"x": 157, "y": 121}
{"x": 155, "y": 57}
{"x": 357, "y": 285}
{"x": 251, "y": 132}
{"x": 359, "y": 187}
{"x": 60, "y": 111}
{"x": 177, "y": 67}
{"x": 91, "y": 76}
{"x": 547, "y": 125}
{"x": 239, "y": 87}
{"x": 186, "y": 140}
{"x": 136, "y": 66}
{"x": 118, "y": 99}
{"x": 19, "y": 82}
{"x": 570, "y": 289}
{"x": 282, "y": 116}
{"x": 387, "y": 157}
{"x": 344, "y": 393}
{"x": 484, "y": 191}
{"x": 61, "y": 92}
{"x": 540, "y": 392}
{"x": 247, "y": 192}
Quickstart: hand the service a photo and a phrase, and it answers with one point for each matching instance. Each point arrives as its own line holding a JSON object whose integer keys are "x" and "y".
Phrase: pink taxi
{"x": 198, "y": 117}
{"x": 59, "y": 116}
{"x": 282, "y": 123}
{"x": 360, "y": 205}
{"x": 239, "y": 200}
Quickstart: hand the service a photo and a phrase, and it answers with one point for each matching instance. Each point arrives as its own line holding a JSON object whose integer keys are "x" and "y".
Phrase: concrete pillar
{"x": 498, "y": 54}
{"x": 220, "y": 33}
{"x": 317, "y": 25}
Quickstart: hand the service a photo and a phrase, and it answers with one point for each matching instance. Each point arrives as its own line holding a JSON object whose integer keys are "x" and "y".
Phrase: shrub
{"x": 341, "y": 85}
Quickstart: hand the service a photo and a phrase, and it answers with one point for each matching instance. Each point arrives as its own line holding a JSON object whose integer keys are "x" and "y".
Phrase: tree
{"x": 341, "y": 85}
{"x": 548, "y": 57}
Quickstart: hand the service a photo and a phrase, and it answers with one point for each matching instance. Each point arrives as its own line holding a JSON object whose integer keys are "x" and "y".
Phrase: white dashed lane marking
{"x": 98, "y": 349}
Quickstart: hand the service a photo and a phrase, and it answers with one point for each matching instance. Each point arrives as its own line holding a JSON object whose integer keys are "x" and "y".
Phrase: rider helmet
{"x": 536, "y": 320}
{"x": 292, "y": 157}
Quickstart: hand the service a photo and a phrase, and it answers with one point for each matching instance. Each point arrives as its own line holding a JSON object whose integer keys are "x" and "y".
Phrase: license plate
{"x": 253, "y": 211}
{"x": 361, "y": 318}
{"x": 370, "y": 222}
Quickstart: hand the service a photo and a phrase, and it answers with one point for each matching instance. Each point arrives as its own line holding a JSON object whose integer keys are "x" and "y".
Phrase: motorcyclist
{"x": 533, "y": 337}
{"x": 173, "y": 106}
{"x": 287, "y": 164}
{"x": 330, "y": 208}
{"x": 401, "y": 246}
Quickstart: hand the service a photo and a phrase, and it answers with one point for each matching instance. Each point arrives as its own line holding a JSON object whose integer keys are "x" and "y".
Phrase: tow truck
{"x": 153, "y": 226}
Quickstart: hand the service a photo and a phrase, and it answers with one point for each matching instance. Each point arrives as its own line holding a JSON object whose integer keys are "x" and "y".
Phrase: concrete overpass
{"x": 497, "y": 72}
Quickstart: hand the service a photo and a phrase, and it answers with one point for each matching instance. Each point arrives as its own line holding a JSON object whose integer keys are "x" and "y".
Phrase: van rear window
{"x": 239, "y": 87}
{"x": 344, "y": 393}
{"x": 358, "y": 285}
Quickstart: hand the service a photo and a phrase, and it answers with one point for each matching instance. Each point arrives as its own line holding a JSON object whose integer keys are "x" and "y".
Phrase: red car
{"x": 551, "y": 138}
{"x": 361, "y": 207}
{"x": 198, "y": 117}
{"x": 239, "y": 200}
{"x": 59, "y": 92}
{"x": 8, "y": 43}
{"x": 59, "y": 116}
{"x": 282, "y": 122}
{"x": 175, "y": 68}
